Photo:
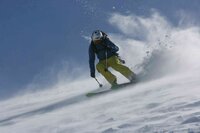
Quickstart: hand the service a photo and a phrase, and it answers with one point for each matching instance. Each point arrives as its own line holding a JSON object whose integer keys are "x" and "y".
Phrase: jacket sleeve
{"x": 110, "y": 45}
{"x": 91, "y": 59}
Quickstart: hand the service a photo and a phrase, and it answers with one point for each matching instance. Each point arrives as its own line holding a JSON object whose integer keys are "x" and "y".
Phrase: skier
{"x": 106, "y": 52}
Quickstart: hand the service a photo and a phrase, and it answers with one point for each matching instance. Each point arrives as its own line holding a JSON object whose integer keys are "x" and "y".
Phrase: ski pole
{"x": 106, "y": 61}
{"x": 100, "y": 85}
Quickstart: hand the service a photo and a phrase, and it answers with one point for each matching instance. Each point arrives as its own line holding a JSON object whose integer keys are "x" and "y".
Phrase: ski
{"x": 103, "y": 91}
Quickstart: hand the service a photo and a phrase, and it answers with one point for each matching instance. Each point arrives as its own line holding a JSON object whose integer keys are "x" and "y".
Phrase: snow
{"x": 166, "y": 100}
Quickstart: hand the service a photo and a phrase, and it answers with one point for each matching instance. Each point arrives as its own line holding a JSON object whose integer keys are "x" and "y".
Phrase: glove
{"x": 92, "y": 75}
{"x": 121, "y": 60}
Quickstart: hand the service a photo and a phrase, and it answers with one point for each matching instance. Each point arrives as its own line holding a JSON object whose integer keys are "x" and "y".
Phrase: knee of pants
{"x": 119, "y": 67}
{"x": 100, "y": 67}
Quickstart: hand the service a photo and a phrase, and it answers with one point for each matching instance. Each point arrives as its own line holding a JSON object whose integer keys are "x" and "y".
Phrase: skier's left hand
{"x": 92, "y": 75}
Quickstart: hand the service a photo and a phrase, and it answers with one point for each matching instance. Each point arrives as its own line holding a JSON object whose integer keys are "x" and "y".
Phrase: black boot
{"x": 133, "y": 78}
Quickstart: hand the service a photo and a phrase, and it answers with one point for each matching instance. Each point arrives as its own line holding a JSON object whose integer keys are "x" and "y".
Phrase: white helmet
{"x": 97, "y": 35}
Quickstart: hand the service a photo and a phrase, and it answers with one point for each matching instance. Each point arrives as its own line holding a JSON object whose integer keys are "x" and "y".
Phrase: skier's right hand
{"x": 92, "y": 75}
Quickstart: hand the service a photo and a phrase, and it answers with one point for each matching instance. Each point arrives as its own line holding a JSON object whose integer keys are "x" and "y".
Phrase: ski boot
{"x": 114, "y": 84}
{"x": 133, "y": 79}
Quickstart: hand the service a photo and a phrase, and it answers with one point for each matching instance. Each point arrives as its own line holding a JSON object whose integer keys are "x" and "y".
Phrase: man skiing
{"x": 106, "y": 52}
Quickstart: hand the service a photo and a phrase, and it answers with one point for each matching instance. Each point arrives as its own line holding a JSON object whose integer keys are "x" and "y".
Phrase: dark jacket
{"x": 106, "y": 46}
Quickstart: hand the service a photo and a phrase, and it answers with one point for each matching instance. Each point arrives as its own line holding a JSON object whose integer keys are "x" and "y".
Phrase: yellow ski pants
{"x": 115, "y": 63}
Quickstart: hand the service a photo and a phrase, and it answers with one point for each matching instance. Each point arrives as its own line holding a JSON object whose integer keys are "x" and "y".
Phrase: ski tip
{"x": 89, "y": 95}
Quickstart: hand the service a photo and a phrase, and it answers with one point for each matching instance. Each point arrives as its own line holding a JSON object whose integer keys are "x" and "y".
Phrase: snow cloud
{"x": 143, "y": 28}
{"x": 155, "y": 45}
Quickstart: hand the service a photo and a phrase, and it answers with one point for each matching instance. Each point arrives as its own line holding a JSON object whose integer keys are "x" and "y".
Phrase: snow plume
{"x": 155, "y": 47}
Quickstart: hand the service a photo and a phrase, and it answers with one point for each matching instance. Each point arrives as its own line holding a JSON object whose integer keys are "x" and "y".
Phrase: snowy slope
{"x": 166, "y": 100}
